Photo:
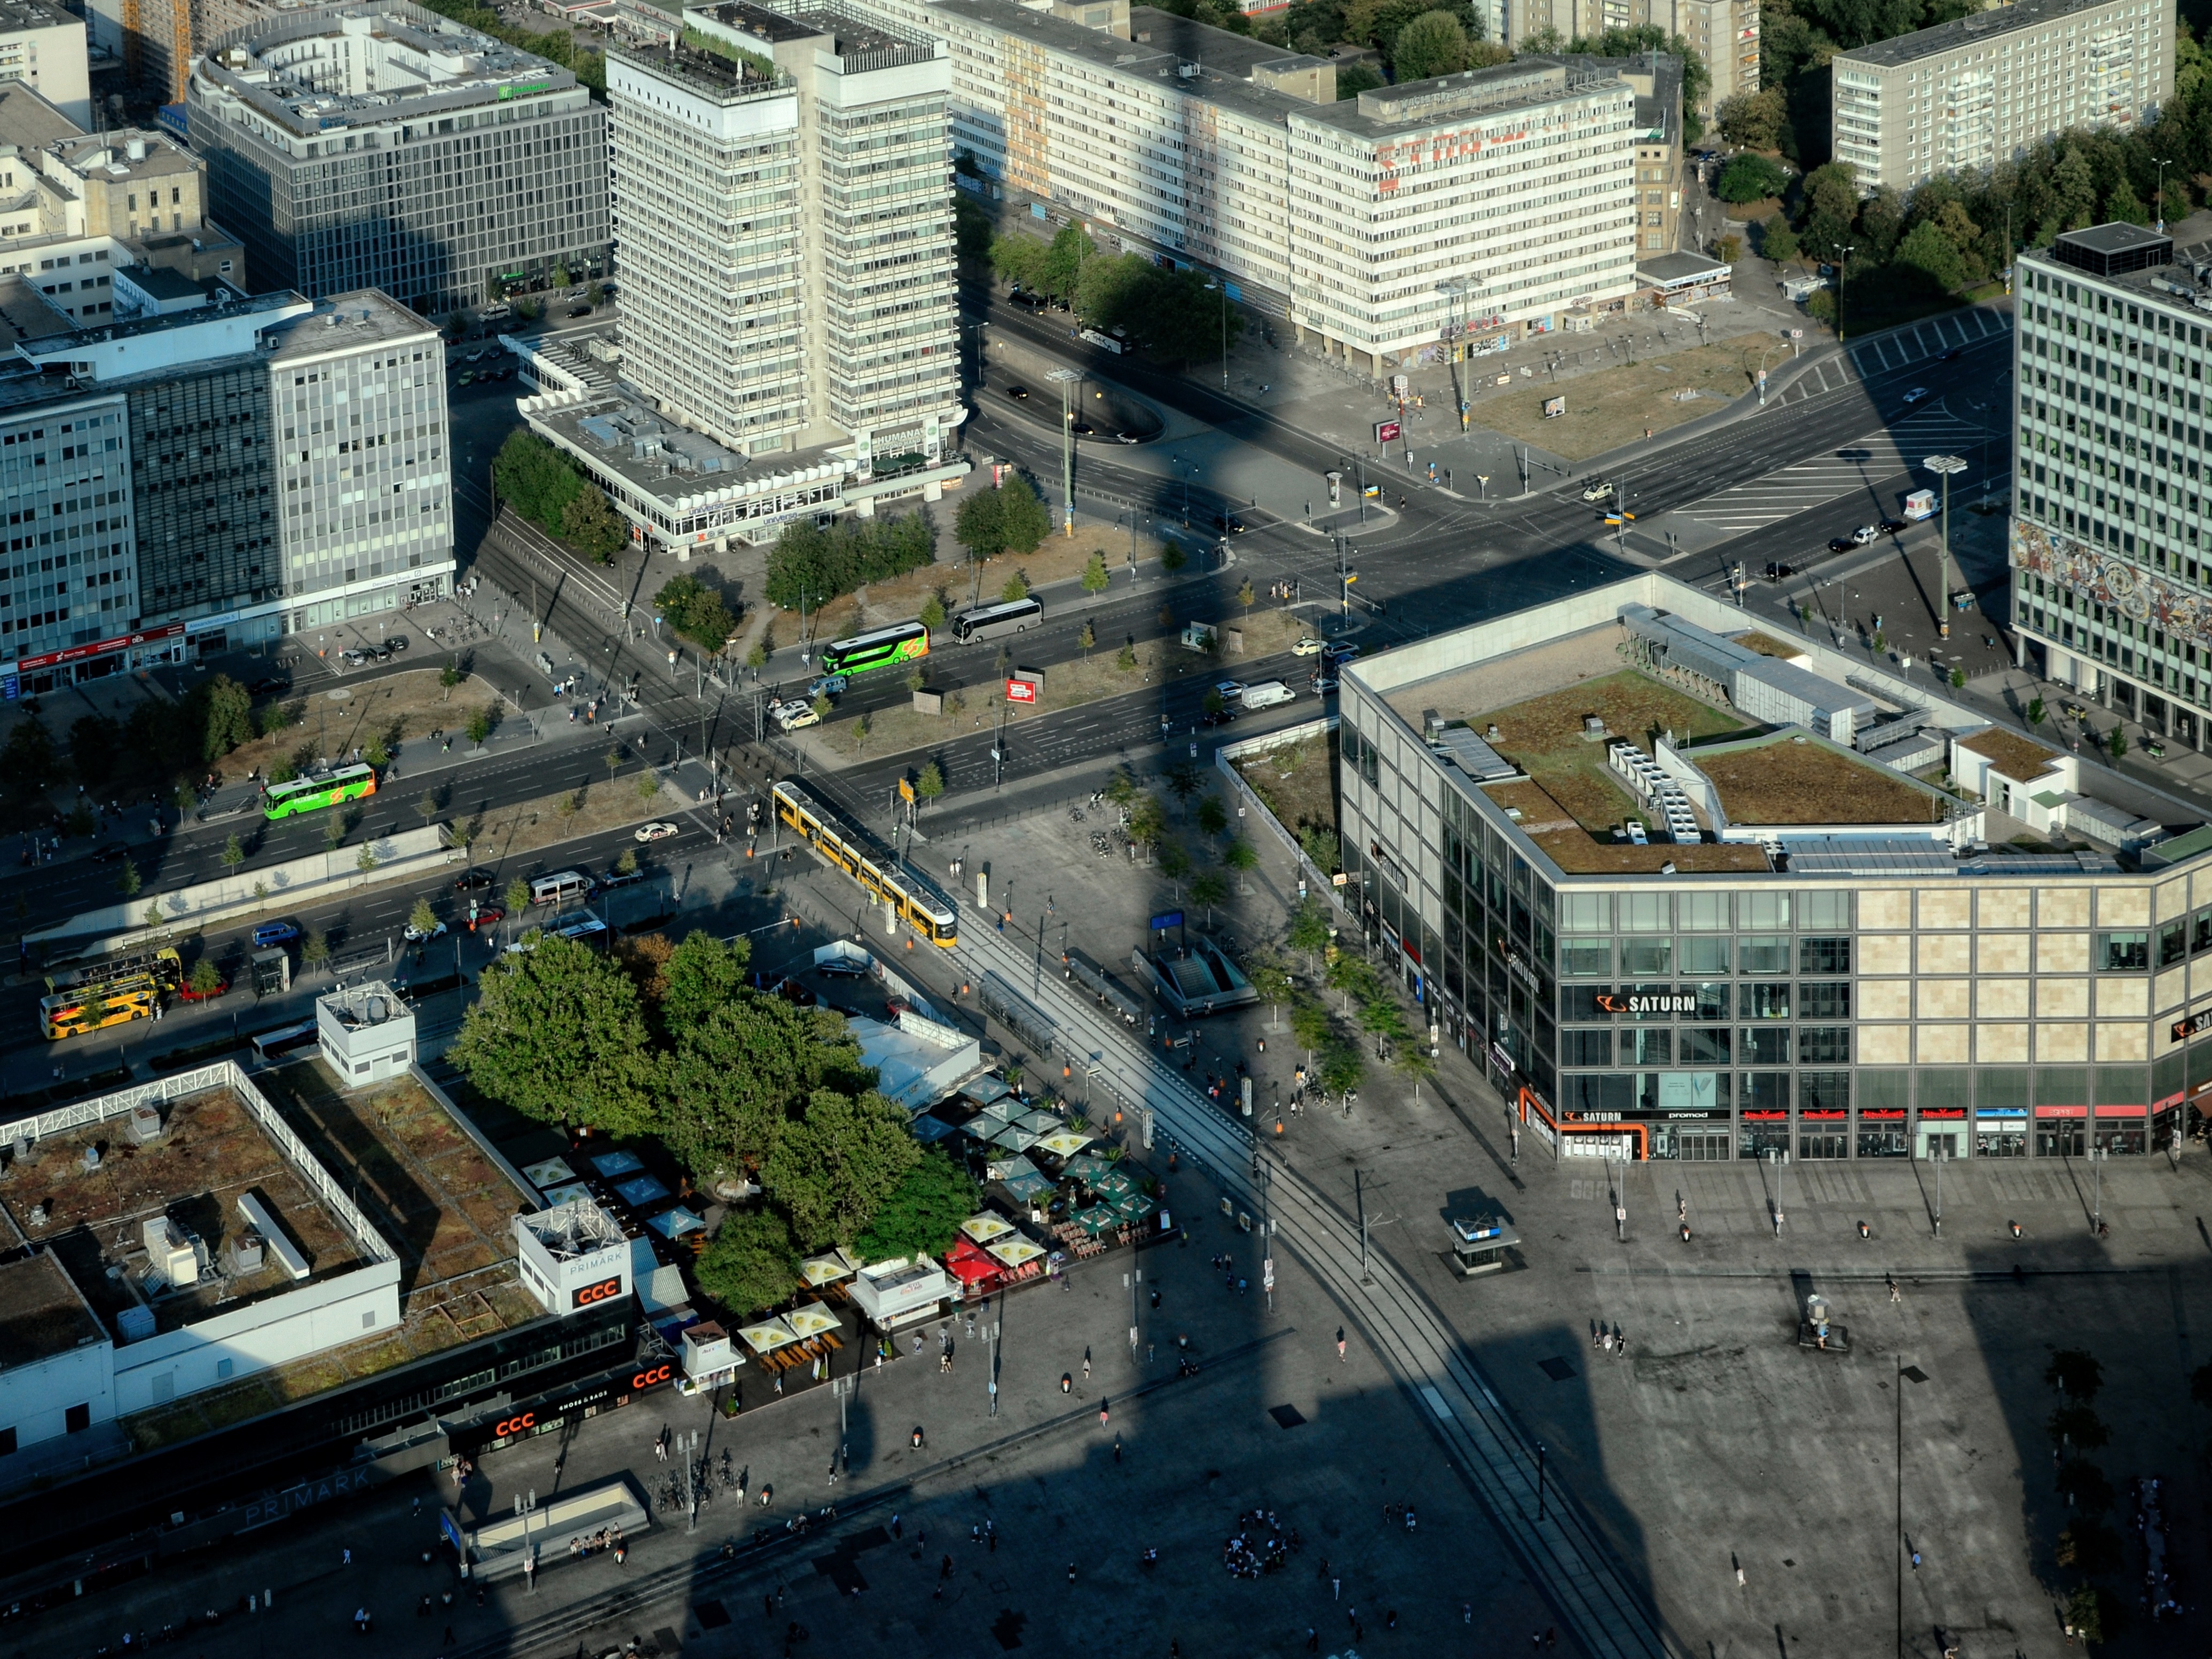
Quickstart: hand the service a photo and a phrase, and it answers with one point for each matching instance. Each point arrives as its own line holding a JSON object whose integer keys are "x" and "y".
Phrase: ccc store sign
{"x": 651, "y": 1376}
{"x": 604, "y": 1290}
{"x": 519, "y": 1424}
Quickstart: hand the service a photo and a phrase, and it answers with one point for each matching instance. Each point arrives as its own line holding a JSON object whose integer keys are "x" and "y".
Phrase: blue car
{"x": 274, "y": 932}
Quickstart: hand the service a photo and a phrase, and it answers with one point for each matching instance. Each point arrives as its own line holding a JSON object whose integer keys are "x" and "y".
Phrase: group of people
{"x": 1608, "y": 1339}
{"x": 1259, "y": 1544}
{"x": 606, "y": 1538}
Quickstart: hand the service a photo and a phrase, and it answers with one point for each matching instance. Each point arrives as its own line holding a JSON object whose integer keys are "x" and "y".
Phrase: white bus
{"x": 990, "y": 622}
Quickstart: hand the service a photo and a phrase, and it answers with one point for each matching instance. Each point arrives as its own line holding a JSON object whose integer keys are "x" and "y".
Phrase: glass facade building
{"x": 1827, "y": 996}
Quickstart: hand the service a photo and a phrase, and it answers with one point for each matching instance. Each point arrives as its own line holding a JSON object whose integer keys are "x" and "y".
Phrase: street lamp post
{"x": 1067, "y": 377}
{"x": 1222, "y": 284}
{"x": 1946, "y": 465}
{"x": 1843, "y": 253}
{"x": 2163, "y": 164}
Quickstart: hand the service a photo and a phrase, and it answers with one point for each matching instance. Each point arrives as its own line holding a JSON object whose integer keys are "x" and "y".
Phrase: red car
{"x": 486, "y": 914}
{"x": 185, "y": 993}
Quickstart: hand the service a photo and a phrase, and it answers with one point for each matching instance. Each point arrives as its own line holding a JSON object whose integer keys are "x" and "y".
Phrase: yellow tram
{"x": 928, "y": 912}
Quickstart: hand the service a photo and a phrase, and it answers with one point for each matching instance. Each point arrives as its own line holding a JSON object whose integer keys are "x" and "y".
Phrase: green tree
{"x": 592, "y": 526}
{"x": 2037, "y": 713}
{"x": 1064, "y": 260}
{"x": 1310, "y": 1025}
{"x": 128, "y": 881}
{"x": 365, "y": 860}
{"x": 750, "y": 1265}
{"x": 1241, "y": 856}
{"x": 921, "y": 1216}
{"x": 833, "y": 1166}
{"x": 1094, "y": 578}
{"x": 745, "y": 1066}
{"x": 1174, "y": 862}
{"x": 1754, "y": 120}
{"x": 480, "y": 725}
{"x": 517, "y": 896}
{"x": 704, "y": 975}
{"x": 2118, "y": 743}
{"x": 234, "y": 852}
{"x": 1356, "y": 78}
{"x": 627, "y": 864}
{"x": 696, "y": 611}
{"x": 2075, "y": 1373}
{"x": 930, "y": 783}
{"x": 1212, "y": 816}
{"x": 1088, "y": 638}
{"x": 557, "y": 1034}
{"x": 2122, "y": 206}
{"x": 1928, "y": 253}
{"x": 1750, "y": 178}
{"x": 1010, "y": 518}
{"x": 1172, "y": 557}
{"x": 1309, "y": 932}
{"x": 1148, "y": 824}
{"x": 1341, "y": 1068}
{"x": 1433, "y": 44}
{"x": 535, "y": 479}
{"x": 96, "y": 742}
{"x": 422, "y": 919}
{"x": 2077, "y": 1424}
{"x": 204, "y": 979}
{"x": 1126, "y": 659}
{"x": 1017, "y": 588}
{"x": 1271, "y": 978}
{"x": 1777, "y": 240}
{"x": 1019, "y": 259}
{"x": 1184, "y": 780}
{"x": 334, "y": 829}
{"x": 1414, "y": 1063}
{"x": 1209, "y": 889}
{"x": 933, "y": 613}
{"x": 315, "y": 949}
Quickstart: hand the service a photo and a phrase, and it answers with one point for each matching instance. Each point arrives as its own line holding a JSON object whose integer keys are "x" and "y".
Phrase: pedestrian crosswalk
{"x": 1889, "y": 353}
{"x": 1851, "y": 468}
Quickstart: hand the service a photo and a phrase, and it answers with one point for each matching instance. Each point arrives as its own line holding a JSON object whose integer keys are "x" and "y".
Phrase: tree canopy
{"x": 696, "y": 611}
{"x": 1008, "y": 519}
{"x": 819, "y": 564}
{"x": 751, "y": 1262}
{"x": 921, "y": 1216}
{"x": 556, "y": 1033}
{"x": 832, "y": 1167}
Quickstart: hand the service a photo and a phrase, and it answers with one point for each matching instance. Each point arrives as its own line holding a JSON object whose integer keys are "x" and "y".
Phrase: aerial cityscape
{"x": 876, "y": 826}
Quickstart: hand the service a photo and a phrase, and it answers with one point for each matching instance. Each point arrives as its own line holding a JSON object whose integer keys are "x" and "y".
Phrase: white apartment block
{"x": 1724, "y": 34}
{"x": 43, "y": 46}
{"x": 783, "y": 197}
{"x": 1219, "y": 151}
{"x": 1989, "y": 87}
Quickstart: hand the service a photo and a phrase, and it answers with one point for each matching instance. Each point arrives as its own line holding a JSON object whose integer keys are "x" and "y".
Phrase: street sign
{"x": 1021, "y": 691}
{"x": 1386, "y": 432}
{"x": 1166, "y": 919}
{"x": 906, "y": 789}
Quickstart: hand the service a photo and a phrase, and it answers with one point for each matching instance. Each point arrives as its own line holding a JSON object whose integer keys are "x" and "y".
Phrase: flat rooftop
{"x": 41, "y": 1314}
{"x": 365, "y": 316}
{"x": 211, "y": 1153}
{"x": 2021, "y": 759}
{"x": 1979, "y": 29}
{"x": 1791, "y": 777}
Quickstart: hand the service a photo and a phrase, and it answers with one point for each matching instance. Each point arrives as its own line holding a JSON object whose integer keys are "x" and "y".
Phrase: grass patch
{"x": 1782, "y": 781}
{"x": 1615, "y": 406}
{"x": 1297, "y": 784}
{"x": 1544, "y": 737}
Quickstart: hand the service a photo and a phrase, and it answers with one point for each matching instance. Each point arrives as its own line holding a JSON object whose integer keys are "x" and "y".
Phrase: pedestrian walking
{"x": 1340, "y": 1342}
{"x": 346, "y": 1558}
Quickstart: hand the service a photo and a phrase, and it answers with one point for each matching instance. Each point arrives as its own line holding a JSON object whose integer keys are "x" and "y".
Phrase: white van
{"x": 560, "y": 887}
{"x": 1266, "y": 695}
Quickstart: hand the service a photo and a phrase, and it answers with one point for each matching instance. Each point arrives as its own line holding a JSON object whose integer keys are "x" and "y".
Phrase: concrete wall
{"x": 229, "y": 895}
{"x": 35, "y": 1398}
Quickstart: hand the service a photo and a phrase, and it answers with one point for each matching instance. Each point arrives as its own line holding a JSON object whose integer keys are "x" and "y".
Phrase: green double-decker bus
{"x": 883, "y": 647}
{"x": 282, "y": 800}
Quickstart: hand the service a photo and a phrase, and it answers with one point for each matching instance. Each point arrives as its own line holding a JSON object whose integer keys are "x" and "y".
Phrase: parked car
{"x": 396, "y": 642}
{"x": 110, "y": 852}
{"x": 795, "y": 716}
{"x": 842, "y": 968}
{"x": 622, "y": 878}
{"x": 1841, "y": 544}
{"x": 1864, "y": 535}
{"x": 473, "y": 881}
{"x": 415, "y": 935}
{"x": 1892, "y": 527}
{"x": 1230, "y": 690}
{"x": 185, "y": 993}
{"x": 580, "y": 311}
{"x": 269, "y": 685}
{"x": 1322, "y": 683}
{"x": 657, "y": 831}
{"x": 274, "y": 932}
{"x": 1342, "y": 651}
{"x": 1919, "y": 394}
{"x": 1307, "y": 647}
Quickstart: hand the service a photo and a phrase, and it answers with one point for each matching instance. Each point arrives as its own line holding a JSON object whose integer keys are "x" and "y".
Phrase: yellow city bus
{"x": 163, "y": 966}
{"x": 927, "y": 911}
{"x": 72, "y": 1013}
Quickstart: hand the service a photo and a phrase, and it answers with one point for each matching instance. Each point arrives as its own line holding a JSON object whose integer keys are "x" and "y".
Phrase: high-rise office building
{"x": 383, "y": 146}
{"x": 1724, "y": 34}
{"x": 213, "y": 472}
{"x": 2111, "y": 541}
{"x": 152, "y": 39}
{"x": 1988, "y": 88}
{"x": 785, "y": 213}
